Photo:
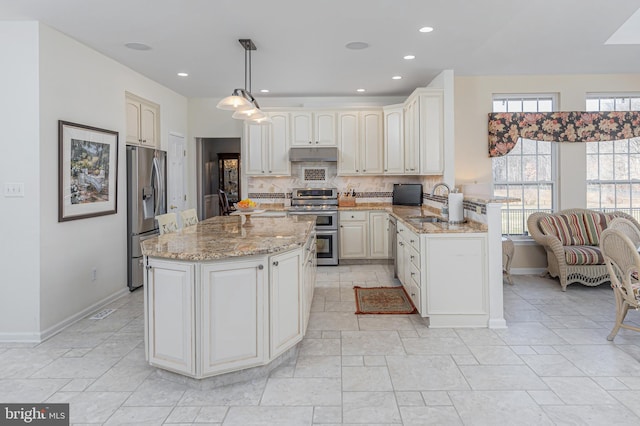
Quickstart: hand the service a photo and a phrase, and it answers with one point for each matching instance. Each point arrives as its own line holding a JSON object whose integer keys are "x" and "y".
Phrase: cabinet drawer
{"x": 414, "y": 257}
{"x": 414, "y": 294}
{"x": 346, "y": 216}
{"x": 413, "y": 240}
{"x": 414, "y": 274}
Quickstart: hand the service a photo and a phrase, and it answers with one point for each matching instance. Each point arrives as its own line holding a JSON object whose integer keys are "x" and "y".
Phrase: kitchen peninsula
{"x": 221, "y": 296}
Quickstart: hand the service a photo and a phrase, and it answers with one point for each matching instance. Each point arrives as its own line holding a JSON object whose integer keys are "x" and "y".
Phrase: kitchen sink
{"x": 427, "y": 219}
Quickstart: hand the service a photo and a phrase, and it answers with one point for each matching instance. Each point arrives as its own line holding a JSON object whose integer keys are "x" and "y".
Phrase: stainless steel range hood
{"x": 313, "y": 154}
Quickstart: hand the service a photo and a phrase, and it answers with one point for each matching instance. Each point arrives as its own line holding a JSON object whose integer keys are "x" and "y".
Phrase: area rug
{"x": 383, "y": 300}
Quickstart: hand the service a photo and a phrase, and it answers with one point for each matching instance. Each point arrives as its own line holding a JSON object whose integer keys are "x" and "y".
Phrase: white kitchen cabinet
{"x": 393, "y": 140}
{"x": 286, "y": 301}
{"x": 143, "y": 122}
{"x": 266, "y": 148}
{"x": 432, "y": 133}
{"x": 233, "y": 308}
{"x": 313, "y": 128}
{"x": 360, "y": 140}
{"x": 309, "y": 270}
{"x": 456, "y": 279}
{"x": 412, "y": 136}
{"x": 378, "y": 235}
{"x": 170, "y": 322}
{"x": 423, "y": 132}
{"x": 353, "y": 234}
{"x": 409, "y": 265}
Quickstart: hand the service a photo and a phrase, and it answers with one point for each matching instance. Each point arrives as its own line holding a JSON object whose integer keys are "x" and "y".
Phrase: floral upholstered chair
{"x": 167, "y": 223}
{"x": 189, "y": 217}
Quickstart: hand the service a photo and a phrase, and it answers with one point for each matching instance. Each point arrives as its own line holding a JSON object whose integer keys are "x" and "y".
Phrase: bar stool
{"x": 189, "y": 217}
{"x": 167, "y": 223}
{"x": 507, "y": 256}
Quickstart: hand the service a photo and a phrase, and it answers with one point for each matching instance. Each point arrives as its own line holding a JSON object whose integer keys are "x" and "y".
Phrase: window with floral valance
{"x": 572, "y": 126}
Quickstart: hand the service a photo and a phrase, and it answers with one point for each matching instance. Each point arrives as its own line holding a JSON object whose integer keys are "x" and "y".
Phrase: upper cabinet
{"x": 393, "y": 140}
{"x": 143, "y": 122}
{"x": 360, "y": 140}
{"x": 265, "y": 149}
{"x": 424, "y": 132}
{"x": 317, "y": 128}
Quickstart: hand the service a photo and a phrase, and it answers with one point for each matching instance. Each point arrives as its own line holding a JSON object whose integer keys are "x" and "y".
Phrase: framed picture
{"x": 88, "y": 171}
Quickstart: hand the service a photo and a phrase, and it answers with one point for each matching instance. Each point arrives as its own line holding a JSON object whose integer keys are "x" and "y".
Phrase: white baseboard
{"x": 31, "y": 337}
{"x": 528, "y": 271}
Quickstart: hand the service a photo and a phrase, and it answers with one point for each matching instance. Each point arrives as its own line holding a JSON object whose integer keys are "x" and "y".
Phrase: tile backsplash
{"x": 367, "y": 188}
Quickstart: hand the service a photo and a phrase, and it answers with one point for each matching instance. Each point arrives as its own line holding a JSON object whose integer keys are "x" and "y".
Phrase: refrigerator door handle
{"x": 157, "y": 185}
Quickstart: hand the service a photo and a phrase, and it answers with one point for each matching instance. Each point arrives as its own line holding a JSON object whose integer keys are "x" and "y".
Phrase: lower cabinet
{"x": 170, "y": 319}
{"x": 445, "y": 275}
{"x": 285, "y": 301}
{"x": 209, "y": 318}
{"x": 364, "y": 234}
{"x": 232, "y": 306}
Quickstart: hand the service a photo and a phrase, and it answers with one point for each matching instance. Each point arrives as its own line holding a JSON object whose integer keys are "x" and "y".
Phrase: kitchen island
{"x": 222, "y": 297}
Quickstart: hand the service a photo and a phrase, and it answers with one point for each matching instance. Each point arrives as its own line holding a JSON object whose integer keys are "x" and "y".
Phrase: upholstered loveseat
{"x": 571, "y": 239}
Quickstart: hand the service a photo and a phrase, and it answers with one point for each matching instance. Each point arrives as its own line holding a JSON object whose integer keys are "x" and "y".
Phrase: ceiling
{"x": 301, "y": 43}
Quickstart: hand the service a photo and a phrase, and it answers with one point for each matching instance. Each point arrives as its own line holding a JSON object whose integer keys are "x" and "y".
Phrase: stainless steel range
{"x": 322, "y": 203}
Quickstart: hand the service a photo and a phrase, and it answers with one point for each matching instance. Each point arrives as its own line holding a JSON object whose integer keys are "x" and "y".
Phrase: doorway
{"x": 208, "y": 154}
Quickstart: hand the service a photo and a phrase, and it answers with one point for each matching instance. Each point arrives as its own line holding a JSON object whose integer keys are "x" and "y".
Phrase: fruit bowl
{"x": 246, "y": 205}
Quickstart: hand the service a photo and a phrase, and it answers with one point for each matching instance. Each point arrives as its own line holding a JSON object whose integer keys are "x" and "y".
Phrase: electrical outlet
{"x": 14, "y": 189}
{"x": 94, "y": 274}
{"x": 478, "y": 209}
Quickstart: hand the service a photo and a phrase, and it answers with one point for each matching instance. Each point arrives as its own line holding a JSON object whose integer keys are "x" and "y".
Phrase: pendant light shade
{"x": 242, "y": 101}
{"x": 234, "y": 103}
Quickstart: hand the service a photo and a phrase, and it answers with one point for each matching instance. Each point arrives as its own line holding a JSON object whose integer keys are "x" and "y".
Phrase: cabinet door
{"x": 254, "y": 145}
{"x": 170, "y": 298}
{"x": 370, "y": 151}
{"x": 393, "y": 142}
{"x": 411, "y": 135}
{"x": 285, "y": 301}
{"x": 348, "y": 138}
{"x": 133, "y": 122}
{"x": 431, "y": 133}
{"x": 148, "y": 125}
{"x": 234, "y": 315}
{"x": 301, "y": 129}
{"x": 353, "y": 240}
{"x": 379, "y": 235}
{"x": 402, "y": 260}
{"x": 325, "y": 128}
{"x": 278, "y": 145}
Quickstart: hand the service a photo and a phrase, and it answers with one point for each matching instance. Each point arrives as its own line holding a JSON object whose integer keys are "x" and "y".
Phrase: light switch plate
{"x": 14, "y": 189}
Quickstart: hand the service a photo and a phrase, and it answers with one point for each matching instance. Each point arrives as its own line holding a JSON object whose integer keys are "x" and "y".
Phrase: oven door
{"x": 327, "y": 247}
{"x": 324, "y": 219}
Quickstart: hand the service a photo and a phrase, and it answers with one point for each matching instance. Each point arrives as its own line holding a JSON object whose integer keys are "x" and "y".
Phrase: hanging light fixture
{"x": 241, "y": 100}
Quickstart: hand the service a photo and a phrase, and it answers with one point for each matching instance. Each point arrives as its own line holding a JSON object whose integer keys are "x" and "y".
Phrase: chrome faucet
{"x": 440, "y": 184}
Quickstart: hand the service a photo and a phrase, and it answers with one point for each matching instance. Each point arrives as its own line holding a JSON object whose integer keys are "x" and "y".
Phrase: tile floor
{"x": 551, "y": 366}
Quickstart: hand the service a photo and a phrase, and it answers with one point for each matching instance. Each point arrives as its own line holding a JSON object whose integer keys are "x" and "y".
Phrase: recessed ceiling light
{"x": 426, "y": 29}
{"x": 357, "y": 45}
{"x": 360, "y": 90}
{"x": 264, "y": 90}
{"x": 138, "y": 46}
{"x": 183, "y": 74}
{"x": 409, "y": 57}
{"x": 397, "y": 77}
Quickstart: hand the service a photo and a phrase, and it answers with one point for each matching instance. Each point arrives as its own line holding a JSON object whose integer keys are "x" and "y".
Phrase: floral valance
{"x": 574, "y": 126}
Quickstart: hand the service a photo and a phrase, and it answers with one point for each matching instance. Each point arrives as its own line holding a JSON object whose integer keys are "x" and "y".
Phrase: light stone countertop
{"x": 223, "y": 237}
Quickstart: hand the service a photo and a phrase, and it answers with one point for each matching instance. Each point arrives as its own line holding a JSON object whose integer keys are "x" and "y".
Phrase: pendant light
{"x": 241, "y": 101}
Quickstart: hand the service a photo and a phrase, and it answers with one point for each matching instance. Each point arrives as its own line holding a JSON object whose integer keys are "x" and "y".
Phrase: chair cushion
{"x": 576, "y": 229}
{"x": 583, "y": 255}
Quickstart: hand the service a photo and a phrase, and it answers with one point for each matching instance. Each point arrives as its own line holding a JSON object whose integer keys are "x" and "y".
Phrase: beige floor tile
{"x": 302, "y": 391}
{"x": 370, "y": 407}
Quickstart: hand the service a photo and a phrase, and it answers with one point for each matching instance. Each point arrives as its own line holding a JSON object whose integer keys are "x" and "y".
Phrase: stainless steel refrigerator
{"x": 146, "y": 198}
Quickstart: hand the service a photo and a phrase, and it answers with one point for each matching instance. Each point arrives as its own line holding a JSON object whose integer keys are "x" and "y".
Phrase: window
{"x": 528, "y": 171}
{"x": 613, "y": 167}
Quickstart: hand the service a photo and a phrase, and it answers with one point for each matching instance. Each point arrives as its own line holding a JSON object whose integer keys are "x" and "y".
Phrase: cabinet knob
{"x": 353, "y": 217}
{"x": 413, "y": 274}
{"x": 261, "y": 267}
{"x": 385, "y": 170}
{"x": 364, "y": 170}
{"x": 269, "y": 171}
{"x": 310, "y": 142}
{"x": 263, "y": 171}
{"x": 413, "y": 295}
{"x": 412, "y": 257}
{"x": 357, "y": 170}
{"x": 412, "y": 241}
{"x": 317, "y": 142}
{"x": 401, "y": 243}
{"x": 400, "y": 230}
{"x": 148, "y": 267}
{"x": 275, "y": 263}
{"x": 341, "y": 226}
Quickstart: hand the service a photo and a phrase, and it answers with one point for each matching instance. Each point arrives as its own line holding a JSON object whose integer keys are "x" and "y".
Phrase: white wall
{"x": 80, "y": 85}
{"x": 473, "y": 96}
{"x": 19, "y": 160}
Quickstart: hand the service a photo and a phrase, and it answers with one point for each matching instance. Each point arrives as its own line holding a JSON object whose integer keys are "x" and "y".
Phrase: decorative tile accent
{"x": 314, "y": 174}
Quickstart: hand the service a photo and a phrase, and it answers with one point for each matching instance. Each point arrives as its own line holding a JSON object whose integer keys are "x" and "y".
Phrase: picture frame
{"x": 88, "y": 171}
